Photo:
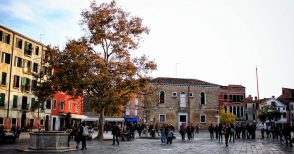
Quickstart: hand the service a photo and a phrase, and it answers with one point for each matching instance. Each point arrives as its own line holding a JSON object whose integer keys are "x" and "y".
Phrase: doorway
{"x": 182, "y": 119}
{"x": 23, "y": 122}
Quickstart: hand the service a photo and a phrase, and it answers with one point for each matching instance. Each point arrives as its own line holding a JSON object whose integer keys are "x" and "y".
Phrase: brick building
{"x": 185, "y": 101}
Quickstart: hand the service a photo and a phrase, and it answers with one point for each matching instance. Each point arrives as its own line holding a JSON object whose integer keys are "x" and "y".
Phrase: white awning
{"x": 77, "y": 116}
{"x": 91, "y": 118}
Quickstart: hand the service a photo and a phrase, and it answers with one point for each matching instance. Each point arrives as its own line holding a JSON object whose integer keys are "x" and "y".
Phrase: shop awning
{"x": 90, "y": 118}
{"x": 132, "y": 119}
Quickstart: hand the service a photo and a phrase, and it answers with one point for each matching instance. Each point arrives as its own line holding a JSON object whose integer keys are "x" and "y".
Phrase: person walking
{"x": 287, "y": 135}
{"x": 77, "y": 135}
{"x": 183, "y": 132}
{"x": 220, "y": 132}
{"x": 170, "y": 136}
{"x": 227, "y": 132}
{"x": 211, "y": 129}
{"x": 84, "y": 134}
{"x": 115, "y": 133}
{"x": 163, "y": 133}
{"x": 189, "y": 132}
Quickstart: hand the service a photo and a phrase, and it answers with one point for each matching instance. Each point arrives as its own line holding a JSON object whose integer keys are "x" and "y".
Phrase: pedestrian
{"x": 197, "y": 128}
{"x": 216, "y": 131}
{"x": 170, "y": 136}
{"x": 232, "y": 132}
{"x": 211, "y": 129}
{"x": 189, "y": 132}
{"x": 220, "y": 132}
{"x": 163, "y": 133}
{"x": 115, "y": 134}
{"x": 287, "y": 135}
{"x": 84, "y": 134}
{"x": 183, "y": 132}
{"x": 77, "y": 135}
{"x": 227, "y": 132}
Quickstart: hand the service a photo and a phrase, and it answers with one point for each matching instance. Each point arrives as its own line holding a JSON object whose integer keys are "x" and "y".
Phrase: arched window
{"x": 202, "y": 96}
{"x": 183, "y": 99}
{"x": 161, "y": 97}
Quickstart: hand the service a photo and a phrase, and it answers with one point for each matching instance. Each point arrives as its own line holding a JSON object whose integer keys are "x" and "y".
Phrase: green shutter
{"x": 14, "y": 101}
{"x": 2, "y": 99}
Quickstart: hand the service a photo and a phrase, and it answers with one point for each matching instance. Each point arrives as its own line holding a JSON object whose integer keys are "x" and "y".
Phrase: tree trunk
{"x": 101, "y": 125}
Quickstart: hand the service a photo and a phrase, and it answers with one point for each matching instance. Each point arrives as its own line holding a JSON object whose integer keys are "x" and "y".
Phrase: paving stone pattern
{"x": 200, "y": 145}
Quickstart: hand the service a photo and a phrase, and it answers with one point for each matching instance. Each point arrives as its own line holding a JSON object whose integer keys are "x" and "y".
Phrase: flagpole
{"x": 258, "y": 100}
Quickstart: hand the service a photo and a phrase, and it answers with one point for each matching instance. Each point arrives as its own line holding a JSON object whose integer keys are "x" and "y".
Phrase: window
{"x": 162, "y": 118}
{"x": 37, "y": 51}
{"x": 161, "y": 97}
{"x": 16, "y": 81}
{"x": 1, "y": 36}
{"x": 190, "y": 94}
{"x": 183, "y": 99}
{"x": 28, "y": 48}
{"x": 70, "y": 108}
{"x": 5, "y": 58}
{"x": 54, "y": 104}
{"x": 3, "y": 78}
{"x": 27, "y": 66}
{"x": 35, "y": 67}
{"x": 13, "y": 122}
{"x": 48, "y": 104}
{"x": 246, "y": 116}
{"x": 18, "y": 43}
{"x": 33, "y": 101}
{"x": 127, "y": 111}
{"x": 18, "y": 62}
{"x": 2, "y": 99}
{"x": 34, "y": 84}
{"x": 202, "y": 98}
{"x": 15, "y": 97}
{"x": 1, "y": 121}
{"x": 183, "y": 118}
{"x": 203, "y": 118}
{"x": 225, "y": 97}
{"x": 24, "y": 103}
{"x": 61, "y": 105}
{"x": 32, "y": 122}
{"x": 42, "y": 122}
{"x": 77, "y": 107}
{"x": 136, "y": 112}
{"x": 7, "y": 38}
{"x": 174, "y": 94}
{"x": 284, "y": 115}
{"x": 226, "y": 109}
{"x": 25, "y": 84}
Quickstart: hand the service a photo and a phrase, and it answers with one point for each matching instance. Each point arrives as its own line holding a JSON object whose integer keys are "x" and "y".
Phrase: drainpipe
{"x": 10, "y": 71}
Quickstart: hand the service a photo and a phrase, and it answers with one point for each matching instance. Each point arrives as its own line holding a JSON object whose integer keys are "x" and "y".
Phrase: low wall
{"x": 52, "y": 140}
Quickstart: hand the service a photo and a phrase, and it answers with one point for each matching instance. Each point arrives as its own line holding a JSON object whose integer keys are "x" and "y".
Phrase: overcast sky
{"x": 218, "y": 41}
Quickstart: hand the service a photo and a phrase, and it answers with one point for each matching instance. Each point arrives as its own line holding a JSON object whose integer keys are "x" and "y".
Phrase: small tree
{"x": 226, "y": 117}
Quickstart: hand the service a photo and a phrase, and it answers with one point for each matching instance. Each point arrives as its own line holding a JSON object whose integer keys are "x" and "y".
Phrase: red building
{"x": 64, "y": 105}
{"x": 231, "y": 98}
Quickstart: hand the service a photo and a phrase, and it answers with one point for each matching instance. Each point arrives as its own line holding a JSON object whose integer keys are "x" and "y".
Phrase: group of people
{"x": 278, "y": 132}
{"x": 80, "y": 134}
{"x": 189, "y": 130}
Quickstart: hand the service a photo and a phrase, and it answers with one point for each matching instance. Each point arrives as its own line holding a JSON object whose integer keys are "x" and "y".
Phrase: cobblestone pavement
{"x": 200, "y": 145}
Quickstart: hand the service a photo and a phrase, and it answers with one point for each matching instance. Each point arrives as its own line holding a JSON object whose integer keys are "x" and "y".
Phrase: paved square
{"x": 200, "y": 145}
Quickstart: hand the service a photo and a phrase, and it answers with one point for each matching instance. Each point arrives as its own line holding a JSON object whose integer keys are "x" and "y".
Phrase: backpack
{"x": 85, "y": 131}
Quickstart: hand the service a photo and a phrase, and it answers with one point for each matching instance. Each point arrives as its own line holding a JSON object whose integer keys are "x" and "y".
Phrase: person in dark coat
{"x": 211, "y": 129}
{"x": 183, "y": 132}
{"x": 227, "y": 132}
{"x": 287, "y": 135}
{"x": 115, "y": 134}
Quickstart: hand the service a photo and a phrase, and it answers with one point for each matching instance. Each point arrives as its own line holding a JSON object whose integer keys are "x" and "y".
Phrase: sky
{"x": 218, "y": 41}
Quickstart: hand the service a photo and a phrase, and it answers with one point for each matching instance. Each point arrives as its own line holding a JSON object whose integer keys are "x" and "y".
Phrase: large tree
{"x": 99, "y": 64}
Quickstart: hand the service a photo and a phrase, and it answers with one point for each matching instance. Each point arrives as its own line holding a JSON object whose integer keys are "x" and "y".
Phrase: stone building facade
{"x": 21, "y": 58}
{"x": 186, "y": 101}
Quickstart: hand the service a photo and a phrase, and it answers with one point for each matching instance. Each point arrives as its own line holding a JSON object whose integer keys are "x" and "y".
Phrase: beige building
{"x": 21, "y": 58}
{"x": 185, "y": 101}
